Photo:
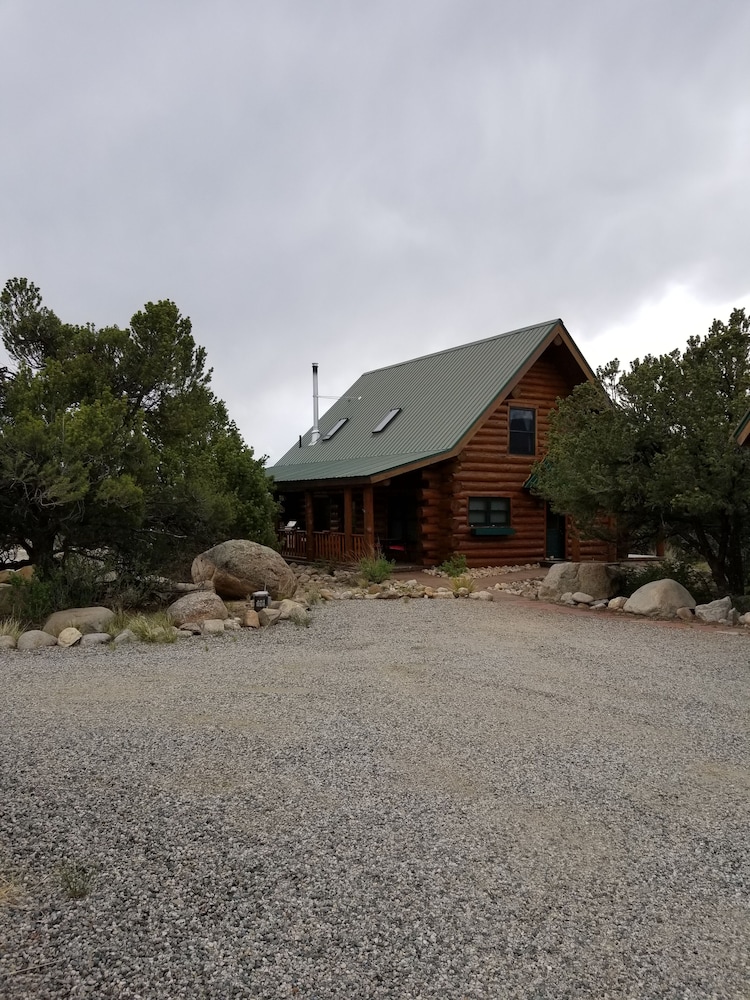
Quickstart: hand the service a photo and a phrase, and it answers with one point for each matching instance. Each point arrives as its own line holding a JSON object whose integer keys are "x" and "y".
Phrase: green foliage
{"x": 455, "y": 566}
{"x": 76, "y": 583}
{"x": 654, "y": 446}
{"x": 76, "y": 879}
{"x": 376, "y": 568}
{"x": 114, "y": 438}
{"x": 697, "y": 583}
{"x": 79, "y": 582}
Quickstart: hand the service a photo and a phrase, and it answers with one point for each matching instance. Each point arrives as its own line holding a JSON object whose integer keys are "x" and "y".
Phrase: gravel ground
{"x": 421, "y": 799}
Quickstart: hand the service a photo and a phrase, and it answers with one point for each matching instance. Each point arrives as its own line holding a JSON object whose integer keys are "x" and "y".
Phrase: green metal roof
{"x": 440, "y": 395}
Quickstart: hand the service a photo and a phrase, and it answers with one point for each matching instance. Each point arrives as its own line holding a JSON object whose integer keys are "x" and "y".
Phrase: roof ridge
{"x": 460, "y": 347}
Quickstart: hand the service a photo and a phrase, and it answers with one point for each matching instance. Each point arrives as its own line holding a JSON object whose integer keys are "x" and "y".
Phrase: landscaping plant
{"x": 376, "y": 568}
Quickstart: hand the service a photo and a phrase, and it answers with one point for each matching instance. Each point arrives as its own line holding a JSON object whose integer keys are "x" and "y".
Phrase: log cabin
{"x": 434, "y": 456}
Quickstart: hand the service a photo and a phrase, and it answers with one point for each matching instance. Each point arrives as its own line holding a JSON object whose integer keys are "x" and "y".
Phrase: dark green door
{"x": 555, "y": 534}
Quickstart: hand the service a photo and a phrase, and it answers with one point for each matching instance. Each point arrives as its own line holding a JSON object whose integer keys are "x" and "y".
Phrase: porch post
{"x": 348, "y": 540}
{"x": 309, "y": 525}
{"x": 367, "y": 499}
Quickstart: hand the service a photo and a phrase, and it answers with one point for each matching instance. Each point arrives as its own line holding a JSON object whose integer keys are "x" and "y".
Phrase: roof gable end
{"x": 440, "y": 398}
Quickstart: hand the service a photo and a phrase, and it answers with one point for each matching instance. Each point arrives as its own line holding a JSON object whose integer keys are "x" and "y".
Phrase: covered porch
{"x": 344, "y": 523}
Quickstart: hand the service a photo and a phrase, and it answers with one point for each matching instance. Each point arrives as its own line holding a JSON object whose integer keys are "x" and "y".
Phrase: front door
{"x": 555, "y": 534}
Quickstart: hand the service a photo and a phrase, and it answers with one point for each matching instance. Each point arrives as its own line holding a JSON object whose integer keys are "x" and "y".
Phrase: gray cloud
{"x": 357, "y": 184}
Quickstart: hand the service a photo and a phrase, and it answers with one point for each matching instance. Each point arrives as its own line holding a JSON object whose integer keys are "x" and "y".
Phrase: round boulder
{"x": 200, "y": 606}
{"x": 238, "y": 568}
{"x": 69, "y": 637}
{"x": 36, "y": 639}
{"x": 661, "y": 598}
{"x": 84, "y": 619}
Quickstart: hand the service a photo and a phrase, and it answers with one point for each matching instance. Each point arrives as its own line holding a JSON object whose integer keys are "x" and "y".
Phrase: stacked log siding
{"x": 407, "y": 488}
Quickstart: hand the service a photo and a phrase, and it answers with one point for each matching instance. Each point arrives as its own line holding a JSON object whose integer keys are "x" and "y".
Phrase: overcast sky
{"x": 358, "y": 182}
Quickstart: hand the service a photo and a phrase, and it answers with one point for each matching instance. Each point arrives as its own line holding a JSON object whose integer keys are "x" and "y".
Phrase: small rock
{"x": 580, "y": 598}
{"x": 124, "y": 637}
{"x": 192, "y": 628}
{"x": 715, "y": 611}
{"x": 232, "y": 625}
{"x": 685, "y": 614}
{"x": 7, "y": 642}
{"x": 269, "y": 616}
{"x": 69, "y": 637}
{"x": 95, "y": 639}
{"x": 250, "y": 619}
{"x": 290, "y": 609}
{"x": 617, "y": 603}
{"x": 212, "y": 626}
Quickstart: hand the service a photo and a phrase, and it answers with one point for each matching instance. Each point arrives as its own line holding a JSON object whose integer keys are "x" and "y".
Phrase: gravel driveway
{"x": 424, "y": 799}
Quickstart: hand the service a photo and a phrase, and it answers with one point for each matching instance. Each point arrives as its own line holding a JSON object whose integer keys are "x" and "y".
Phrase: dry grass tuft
{"x": 11, "y": 892}
{"x": 11, "y": 626}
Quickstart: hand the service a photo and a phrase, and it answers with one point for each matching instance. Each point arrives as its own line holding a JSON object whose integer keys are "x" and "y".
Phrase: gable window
{"x": 489, "y": 512}
{"x": 522, "y": 431}
{"x": 390, "y": 415}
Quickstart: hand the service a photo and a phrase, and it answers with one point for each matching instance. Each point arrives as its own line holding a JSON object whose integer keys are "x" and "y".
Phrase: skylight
{"x": 335, "y": 429}
{"x": 390, "y": 415}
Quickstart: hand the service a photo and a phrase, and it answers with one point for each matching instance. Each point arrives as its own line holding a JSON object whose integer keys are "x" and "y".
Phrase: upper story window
{"x": 522, "y": 431}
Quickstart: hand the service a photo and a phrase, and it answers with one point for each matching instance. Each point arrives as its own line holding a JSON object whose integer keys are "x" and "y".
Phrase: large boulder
{"x": 84, "y": 619}
{"x": 661, "y": 598}
{"x": 238, "y": 568}
{"x": 597, "y": 579}
{"x": 199, "y": 606}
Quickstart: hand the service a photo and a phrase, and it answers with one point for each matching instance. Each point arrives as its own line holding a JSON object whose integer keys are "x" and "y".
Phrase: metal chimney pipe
{"x": 315, "y": 435}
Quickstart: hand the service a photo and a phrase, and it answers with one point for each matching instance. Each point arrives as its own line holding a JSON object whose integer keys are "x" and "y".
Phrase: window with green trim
{"x": 522, "y": 431}
{"x": 489, "y": 512}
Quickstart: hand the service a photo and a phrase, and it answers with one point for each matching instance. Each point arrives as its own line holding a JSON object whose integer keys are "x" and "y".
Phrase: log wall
{"x": 486, "y": 468}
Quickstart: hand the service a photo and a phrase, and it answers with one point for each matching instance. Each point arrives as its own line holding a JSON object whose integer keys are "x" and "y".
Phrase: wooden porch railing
{"x": 293, "y": 545}
{"x": 328, "y": 545}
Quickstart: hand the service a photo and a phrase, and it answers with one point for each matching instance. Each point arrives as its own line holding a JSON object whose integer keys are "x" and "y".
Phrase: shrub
{"x": 74, "y": 583}
{"x": 462, "y": 583}
{"x": 376, "y": 568}
{"x": 455, "y": 566}
{"x": 692, "y": 579}
{"x": 76, "y": 879}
